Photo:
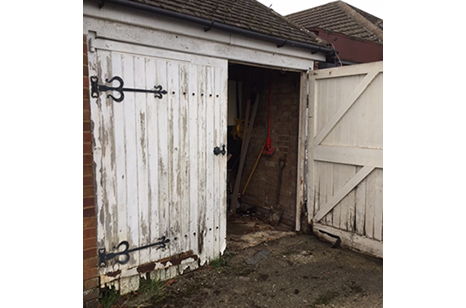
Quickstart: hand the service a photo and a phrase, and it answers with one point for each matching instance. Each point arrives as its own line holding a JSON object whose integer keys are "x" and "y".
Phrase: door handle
{"x": 217, "y": 150}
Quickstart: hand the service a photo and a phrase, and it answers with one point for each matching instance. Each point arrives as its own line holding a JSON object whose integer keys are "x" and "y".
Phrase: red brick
{"x": 89, "y": 222}
{"x": 87, "y": 137}
{"x": 89, "y": 233}
{"x": 86, "y": 115}
{"x": 87, "y": 126}
{"x": 91, "y": 283}
{"x": 90, "y": 273}
{"x": 89, "y": 207}
{"x": 90, "y": 263}
{"x": 90, "y": 279}
{"x": 89, "y": 253}
{"x": 88, "y": 170}
{"x": 88, "y": 191}
{"x": 86, "y": 98}
{"x": 87, "y": 148}
{"x": 89, "y": 243}
{"x": 88, "y": 181}
{"x": 88, "y": 160}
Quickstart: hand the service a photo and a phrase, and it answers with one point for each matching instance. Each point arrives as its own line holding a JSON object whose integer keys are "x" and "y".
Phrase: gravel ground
{"x": 292, "y": 271}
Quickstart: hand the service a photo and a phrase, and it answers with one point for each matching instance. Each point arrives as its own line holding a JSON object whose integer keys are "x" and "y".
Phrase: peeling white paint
{"x": 146, "y": 189}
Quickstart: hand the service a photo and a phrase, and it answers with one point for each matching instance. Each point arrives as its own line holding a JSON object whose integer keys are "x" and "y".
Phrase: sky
{"x": 285, "y": 7}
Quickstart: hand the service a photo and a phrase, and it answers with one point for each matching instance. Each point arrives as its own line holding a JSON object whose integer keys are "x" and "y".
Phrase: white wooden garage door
{"x": 157, "y": 177}
{"x": 345, "y": 146}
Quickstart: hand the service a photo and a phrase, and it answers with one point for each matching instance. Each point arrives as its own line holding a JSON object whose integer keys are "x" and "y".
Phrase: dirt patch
{"x": 290, "y": 271}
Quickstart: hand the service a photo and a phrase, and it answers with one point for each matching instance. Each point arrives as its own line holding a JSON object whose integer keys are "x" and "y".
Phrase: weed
{"x": 153, "y": 288}
{"x": 108, "y": 297}
{"x": 219, "y": 263}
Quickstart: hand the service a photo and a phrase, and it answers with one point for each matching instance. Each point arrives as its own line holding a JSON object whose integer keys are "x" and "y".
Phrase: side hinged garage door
{"x": 345, "y": 151}
{"x": 160, "y": 189}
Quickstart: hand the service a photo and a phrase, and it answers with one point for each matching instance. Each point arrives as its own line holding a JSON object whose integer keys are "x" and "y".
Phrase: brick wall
{"x": 90, "y": 279}
{"x": 261, "y": 191}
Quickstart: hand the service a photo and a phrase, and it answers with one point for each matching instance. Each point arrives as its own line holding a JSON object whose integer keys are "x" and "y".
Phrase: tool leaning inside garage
{"x": 269, "y": 150}
{"x": 276, "y": 210}
{"x": 235, "y": 196}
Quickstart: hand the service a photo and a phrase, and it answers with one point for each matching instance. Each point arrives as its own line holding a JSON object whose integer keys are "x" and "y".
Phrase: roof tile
{"x": 343, "y": 18}
{"x": 246, "y": 14}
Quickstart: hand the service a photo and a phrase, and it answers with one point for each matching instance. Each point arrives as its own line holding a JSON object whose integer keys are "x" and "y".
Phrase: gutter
{"x": 210, "y": 24}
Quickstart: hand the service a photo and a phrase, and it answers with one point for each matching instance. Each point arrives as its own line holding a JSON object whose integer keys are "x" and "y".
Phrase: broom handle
{"x": 253, "y": 169}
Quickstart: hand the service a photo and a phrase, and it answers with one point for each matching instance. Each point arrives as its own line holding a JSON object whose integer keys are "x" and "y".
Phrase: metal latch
{"x": 217, "y": 150}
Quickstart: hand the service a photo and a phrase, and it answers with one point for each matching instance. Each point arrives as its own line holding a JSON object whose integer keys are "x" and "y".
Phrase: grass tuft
{"x": 219, "y": 263}
{"x": 155, "y": 289}
{"x": 108, "y": 297}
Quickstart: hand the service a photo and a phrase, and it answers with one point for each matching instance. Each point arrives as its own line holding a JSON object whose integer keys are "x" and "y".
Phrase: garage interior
{"x": 269, "y": 168}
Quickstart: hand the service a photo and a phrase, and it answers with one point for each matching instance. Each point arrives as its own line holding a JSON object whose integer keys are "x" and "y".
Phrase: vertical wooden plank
{"x": 338, "y": 182}
{"x": 328, "y": 183}
{"x": 378, "y": 207}
{"x": 153, "y": 157}
{"x": 346, "y": 173}
{"x": 202, "y": 159}
{"x": 217, "y": 159}
{"x": 194, "y": 143}
{"x": 326, "y": 103}
{"x": 142, "y": 156}
{"x": 208, "y": 237}
{"x": 223, "y": 85}
{"x": 370, "y": 205}
{"x": 303, "y": 98}
{"x": 131, "y": 177}
{"x": 120, "y": 159}
{"x": 312, "y": 183}
{"x": 314, "y": 192}
{"x": 351, "y": 198}
{"x": 320, "y": 192}
{"x": 374, "y": 124}
{"x": 101, "y": 113}
{"x": 324, "y": 173}
{"x": 337, "y": 89}
{"x": 362, "y": 117}
{"x": 360, "y": 210}
{"x": 97, "y": 135}
{"x": 320, "y": 90}
{"x": 184, "y": 158}
{"x": 174, "y": 151}
{"x": 220, "y": 124}
{"x": 107, "y": 167}
{"x": 378, "y": 97}
{"x": 163, "y": 154}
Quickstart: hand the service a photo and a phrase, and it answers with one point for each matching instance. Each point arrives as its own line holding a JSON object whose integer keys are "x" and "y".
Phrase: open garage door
{"x": 345, "y": 155}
